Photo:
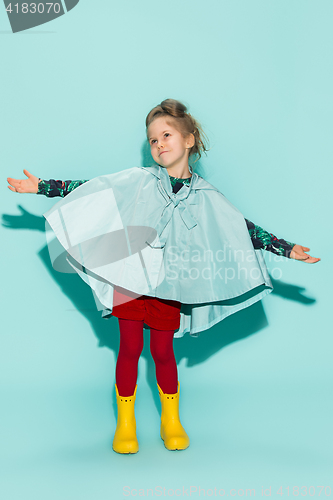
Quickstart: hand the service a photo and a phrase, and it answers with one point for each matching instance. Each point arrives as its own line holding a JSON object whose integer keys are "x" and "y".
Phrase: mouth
{"x": 163, "y": 152}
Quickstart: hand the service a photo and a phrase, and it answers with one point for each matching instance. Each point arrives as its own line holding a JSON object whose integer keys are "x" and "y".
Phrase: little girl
{"x": 140, "y": 239}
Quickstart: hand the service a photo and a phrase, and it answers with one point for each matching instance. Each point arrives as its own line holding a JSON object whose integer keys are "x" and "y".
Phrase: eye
{"x": 167, "y": 133}
{"x": 152, "y": 141}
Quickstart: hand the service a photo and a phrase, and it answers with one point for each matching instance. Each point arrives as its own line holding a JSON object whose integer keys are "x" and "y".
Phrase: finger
{"x": 12, "y": 189}
{"x": 28, "y": 174}
{"x": 312, "y": 260}
{"x": 299, "y": 256}
{"x": 13, "y": 182}
{"x": 304, "y": 257}
{"x": 306, "y": 249}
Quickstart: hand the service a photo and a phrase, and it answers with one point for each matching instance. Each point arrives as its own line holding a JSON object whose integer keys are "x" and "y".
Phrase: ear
{"x": 190, "y": 141}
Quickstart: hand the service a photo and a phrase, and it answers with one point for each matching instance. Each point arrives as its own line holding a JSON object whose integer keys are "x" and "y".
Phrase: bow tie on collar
{"x": 156, "y": 239}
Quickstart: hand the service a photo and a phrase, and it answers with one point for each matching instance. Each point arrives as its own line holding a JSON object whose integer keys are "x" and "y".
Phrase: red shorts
{"x": 159, "y": 314}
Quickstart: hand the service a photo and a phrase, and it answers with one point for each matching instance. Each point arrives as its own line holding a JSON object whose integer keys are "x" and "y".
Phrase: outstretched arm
{"x": 267, "y": 241}
{"x": 36, "y": 185}
{"x": 54, "y": 187}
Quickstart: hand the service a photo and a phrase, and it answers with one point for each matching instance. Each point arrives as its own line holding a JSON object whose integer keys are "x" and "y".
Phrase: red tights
{"x": 131, "y": 345}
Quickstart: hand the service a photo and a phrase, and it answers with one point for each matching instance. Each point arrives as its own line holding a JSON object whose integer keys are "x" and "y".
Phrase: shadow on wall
{"x": 195, "y": 350}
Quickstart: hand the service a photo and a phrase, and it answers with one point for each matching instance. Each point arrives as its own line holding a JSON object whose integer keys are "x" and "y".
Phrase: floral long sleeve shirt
{"x": 260, "y": 237}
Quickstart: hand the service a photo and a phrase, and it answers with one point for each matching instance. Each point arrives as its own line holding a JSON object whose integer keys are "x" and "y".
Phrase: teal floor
{"x": 56, "y": 443}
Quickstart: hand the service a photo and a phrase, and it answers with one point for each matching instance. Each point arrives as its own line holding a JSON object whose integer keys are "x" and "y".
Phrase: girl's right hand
{"x": 29, "y": 185}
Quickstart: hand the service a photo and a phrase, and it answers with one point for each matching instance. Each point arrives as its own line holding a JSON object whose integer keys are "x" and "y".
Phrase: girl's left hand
{"x": 298, "y": 253}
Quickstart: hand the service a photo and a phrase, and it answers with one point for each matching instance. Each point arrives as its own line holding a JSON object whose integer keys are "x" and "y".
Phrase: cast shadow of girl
{"x": 194, "y": 350}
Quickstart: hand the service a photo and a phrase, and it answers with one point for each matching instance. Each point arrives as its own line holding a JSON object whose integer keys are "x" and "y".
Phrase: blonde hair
{"x": 182, "y": 121}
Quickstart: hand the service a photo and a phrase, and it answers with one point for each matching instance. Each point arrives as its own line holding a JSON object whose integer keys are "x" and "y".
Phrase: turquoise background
{"x": 256, "y": 389}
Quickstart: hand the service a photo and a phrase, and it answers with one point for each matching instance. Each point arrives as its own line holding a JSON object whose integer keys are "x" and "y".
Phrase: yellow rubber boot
{"x": 172, "y": 431}
{"x": 125, "y": 440}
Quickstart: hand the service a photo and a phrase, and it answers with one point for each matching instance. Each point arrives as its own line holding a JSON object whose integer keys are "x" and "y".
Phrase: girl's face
{"x": 168, "y": 146}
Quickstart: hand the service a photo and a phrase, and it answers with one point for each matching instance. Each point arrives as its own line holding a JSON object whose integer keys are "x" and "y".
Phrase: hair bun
{"x": 174, "y": 108}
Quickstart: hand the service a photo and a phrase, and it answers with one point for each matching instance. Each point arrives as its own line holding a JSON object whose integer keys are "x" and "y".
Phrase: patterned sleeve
{"x": 53, "y": 187}
{"x": 267, "y": 241}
